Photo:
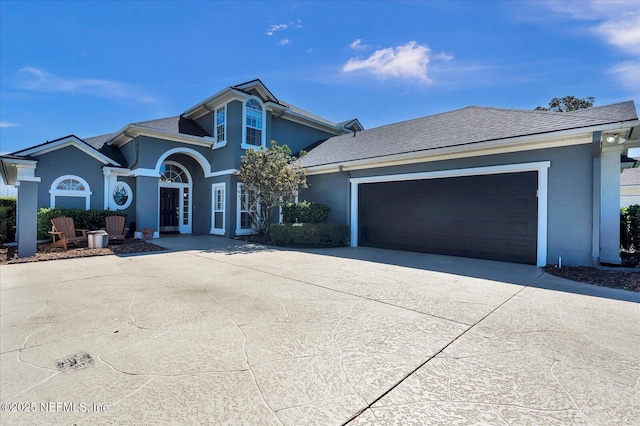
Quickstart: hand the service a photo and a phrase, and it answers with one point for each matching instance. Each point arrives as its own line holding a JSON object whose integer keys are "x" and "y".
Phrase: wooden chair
{"x": 63, "y": 229}
{"x": 115, "y": 228}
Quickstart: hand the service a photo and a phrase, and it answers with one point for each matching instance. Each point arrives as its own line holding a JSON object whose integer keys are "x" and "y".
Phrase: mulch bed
{"x": 45, "y": 252}
{"x": 600, "y": 277}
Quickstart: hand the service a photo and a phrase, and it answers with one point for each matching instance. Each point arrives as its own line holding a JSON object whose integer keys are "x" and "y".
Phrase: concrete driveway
{"x": 231, "y": 333}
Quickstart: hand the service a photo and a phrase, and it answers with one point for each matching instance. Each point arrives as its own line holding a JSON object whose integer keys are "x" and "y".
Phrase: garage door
{"x": 487, "y": 217}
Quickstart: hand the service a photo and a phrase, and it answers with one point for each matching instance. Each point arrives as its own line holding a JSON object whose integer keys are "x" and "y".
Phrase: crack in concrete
{"x": 483, "y": 404}
{"x": 333, "y": 336}
{"x": 281, "y": 304}
{"x": 498, "y": 414}
{"x": 246, "y": 358}
{"x": 46, "y": 304}
{"x": 121, "y": 399}
{"x": 195, "y": 373}
{"x": 440, "y": 351}
{"x": 566, "y": 391}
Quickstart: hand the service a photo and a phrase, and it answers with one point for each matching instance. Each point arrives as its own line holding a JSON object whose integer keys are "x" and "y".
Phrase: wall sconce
{"x": 615, "y": 139}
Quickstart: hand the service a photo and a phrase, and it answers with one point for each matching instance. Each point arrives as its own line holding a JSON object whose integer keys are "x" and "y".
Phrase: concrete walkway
{"x": 220, "y": 332}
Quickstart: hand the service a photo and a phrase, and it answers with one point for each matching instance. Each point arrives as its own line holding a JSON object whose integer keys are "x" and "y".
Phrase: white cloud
{"x": 629, "y": 74}
{"x": 617, "y": 23}
{"x": 272, "y": 29}
{"x": 280, "y": 27}
{"x": 39, "y": 80}
{"x": 409, "y": 61}
{"x": 7, "y": 124}
{"x": 284, "y": 42}
{"x": 357, "y": 45}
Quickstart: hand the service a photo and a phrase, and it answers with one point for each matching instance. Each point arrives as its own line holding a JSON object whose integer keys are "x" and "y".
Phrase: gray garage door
{"x": 487, "y": 217}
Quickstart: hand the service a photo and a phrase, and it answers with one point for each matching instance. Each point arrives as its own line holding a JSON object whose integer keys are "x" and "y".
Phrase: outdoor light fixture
{"x": 615, "y": 139}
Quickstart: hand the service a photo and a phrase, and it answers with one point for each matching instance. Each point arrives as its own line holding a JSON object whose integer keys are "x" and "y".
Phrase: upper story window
{"x": 254, "y": 134}
{"x": 221, "y": 124}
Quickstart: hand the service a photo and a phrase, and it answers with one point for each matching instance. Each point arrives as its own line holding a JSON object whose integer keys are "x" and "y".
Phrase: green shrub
{"x": 7, "y": 219}
{"x": 630, "y": 228}
{"x": 82, "y": 219}
{"x": 305, "y": 212}
{"x": 308, "y": 234}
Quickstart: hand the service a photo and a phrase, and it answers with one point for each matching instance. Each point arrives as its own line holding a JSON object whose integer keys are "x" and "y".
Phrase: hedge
{"x": 630, "y": 228}
{"x": 7, "y": 219}
{"x": 308, "y": 234}
{"x": 82, "y": 219}
{"x": 305, "y": 212}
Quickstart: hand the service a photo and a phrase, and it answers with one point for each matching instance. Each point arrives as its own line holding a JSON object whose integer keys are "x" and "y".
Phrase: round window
{"x": 122, "y": 195}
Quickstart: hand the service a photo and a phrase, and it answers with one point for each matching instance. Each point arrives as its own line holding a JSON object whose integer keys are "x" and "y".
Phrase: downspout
{"x": 136, "y": 150}
{"x": 595, "y": 201}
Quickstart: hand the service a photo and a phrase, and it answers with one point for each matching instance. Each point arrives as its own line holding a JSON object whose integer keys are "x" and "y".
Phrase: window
{"x": 244, "y": 221}
{"x": 70, "y": 191}
{"x": 122, "y": 195}
{"x": 221, "y": 124}
{"x": 217, "y": 219}
{"x": 172, "y": 173}
{"x": 254, "y": 124}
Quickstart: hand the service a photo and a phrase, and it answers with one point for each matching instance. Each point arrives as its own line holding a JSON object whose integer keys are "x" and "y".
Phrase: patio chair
{"x": 115, "y": 228}
{"x": 64, "y": 231}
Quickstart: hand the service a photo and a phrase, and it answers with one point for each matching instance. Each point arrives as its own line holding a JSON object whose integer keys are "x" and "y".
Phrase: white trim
{"x": 219, "y": 143}
{"x": 131, "y": 131}
{"x": 222, "y": 173}
{"x": 240, "y": 231}
{"x": 563, "y": 138}
{"x": 541, "y": 167}
{"x": 129, "y": 191}
{"x": 54, "y": 192}
{"x": 145, "y": 173}
{"x": 65, "y": 142}
{"x": 182, "y": 227}
{"x": 263, "y": 131}
{"x": 214, "y": 187}
{"x": 28, "y": 179}
{"x": 201, "y": 159}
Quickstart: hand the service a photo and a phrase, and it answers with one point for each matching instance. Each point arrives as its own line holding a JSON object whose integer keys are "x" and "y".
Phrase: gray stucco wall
{"x": 131, "y": 210}
{"x": 569, "y": 194}
{"x": 147, "y": 203}
{"x": 206, "y": 122}
{"x": 331, "y": 189}
{"x": 296, "y": 136}
{"x": 70, "y": 161}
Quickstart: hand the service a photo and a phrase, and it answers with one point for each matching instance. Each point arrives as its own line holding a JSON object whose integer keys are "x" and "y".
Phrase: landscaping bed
{"x": 45, "y": 252}
{"x": 601, "y": 277}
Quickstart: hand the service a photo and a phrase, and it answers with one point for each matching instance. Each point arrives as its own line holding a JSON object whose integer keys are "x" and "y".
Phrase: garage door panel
{"x": 489, "y": 217}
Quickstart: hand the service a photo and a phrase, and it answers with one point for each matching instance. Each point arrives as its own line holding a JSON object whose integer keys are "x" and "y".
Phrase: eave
{"x": 501, "y": 146}
{"x": 132, "y": 131}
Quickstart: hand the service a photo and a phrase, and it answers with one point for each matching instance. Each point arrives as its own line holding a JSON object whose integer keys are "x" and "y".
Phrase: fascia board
{"x": 72, "y": 141}
{"x": 225, "y": 95}
{"x": 133, "y": 131}
{"x": 310, "y": 122}
{"x": 516, "y": 144}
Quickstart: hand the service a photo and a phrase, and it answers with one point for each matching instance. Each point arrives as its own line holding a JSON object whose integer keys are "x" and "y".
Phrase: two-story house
{"x": 176, "y": 174}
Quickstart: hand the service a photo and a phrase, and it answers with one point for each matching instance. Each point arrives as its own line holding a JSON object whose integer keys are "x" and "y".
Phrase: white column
{"x": 610, "y": 205}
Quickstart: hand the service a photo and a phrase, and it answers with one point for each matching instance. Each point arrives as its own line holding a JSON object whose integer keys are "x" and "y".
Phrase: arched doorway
{"x": 176, "y": 189}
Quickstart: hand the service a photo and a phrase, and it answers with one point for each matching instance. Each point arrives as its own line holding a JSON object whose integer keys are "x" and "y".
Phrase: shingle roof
{"x": 464, "y": 126}
{"x": 630, "y": 177}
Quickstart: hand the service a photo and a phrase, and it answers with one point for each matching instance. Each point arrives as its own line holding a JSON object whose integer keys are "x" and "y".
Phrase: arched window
{"x": 253, "y": 130}
{"x": 67, "y": 190}
{"x": 170, "y": 172}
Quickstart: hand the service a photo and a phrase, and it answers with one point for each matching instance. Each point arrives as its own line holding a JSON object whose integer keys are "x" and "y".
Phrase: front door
{"x": 169, "y": 210}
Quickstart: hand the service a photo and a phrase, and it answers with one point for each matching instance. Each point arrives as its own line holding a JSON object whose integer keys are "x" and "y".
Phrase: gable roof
{"x": 470, "y": 125}
{"x": 70, "y": 140}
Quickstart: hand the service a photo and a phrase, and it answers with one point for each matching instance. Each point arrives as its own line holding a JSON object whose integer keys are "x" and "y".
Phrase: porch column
{"x": 26, "y": 218}
{"x": 610, "y": 205}
{"x": 147, "y": 205}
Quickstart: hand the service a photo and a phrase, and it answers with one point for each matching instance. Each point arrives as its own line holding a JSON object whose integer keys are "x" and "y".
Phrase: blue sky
{"x": 89, "y": 68}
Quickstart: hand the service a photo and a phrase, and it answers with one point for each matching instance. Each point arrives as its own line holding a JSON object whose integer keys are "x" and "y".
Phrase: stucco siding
{"x": 296, "y": 136}
{"x": 69, "y": 161}
{"x": 569, "y": 194}
{"x": 331, "y": 189}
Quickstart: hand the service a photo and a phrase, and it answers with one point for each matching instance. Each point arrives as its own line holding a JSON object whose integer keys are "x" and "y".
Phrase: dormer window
{"x": 221, "y": 124}
{"x": 254, "y": 135}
